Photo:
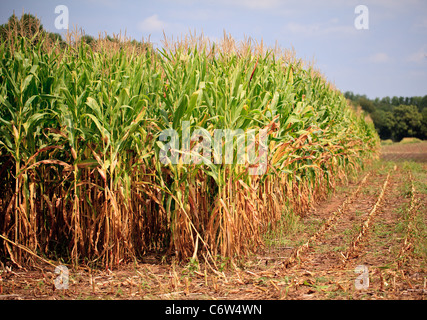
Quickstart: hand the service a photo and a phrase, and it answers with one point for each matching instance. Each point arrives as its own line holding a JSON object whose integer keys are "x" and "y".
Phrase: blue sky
{"x": 388, "y": 59}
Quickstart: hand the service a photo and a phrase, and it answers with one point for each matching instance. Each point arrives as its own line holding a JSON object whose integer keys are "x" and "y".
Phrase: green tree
{"x": 386, "y": 100}
{"x": 416, "y": 101}
{"x": 423, "y": 103}
{"x": 367, "y": 105}
{"x": 384, "y": 122}
{"x": 395, "y": 101}
{"x": 349, "y": 95}
{"x": 408, "y": 122}
{"x": 423, "y": 129}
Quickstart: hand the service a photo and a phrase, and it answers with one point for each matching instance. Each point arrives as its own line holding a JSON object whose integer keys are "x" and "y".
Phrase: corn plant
{"x": 80, "y": 147}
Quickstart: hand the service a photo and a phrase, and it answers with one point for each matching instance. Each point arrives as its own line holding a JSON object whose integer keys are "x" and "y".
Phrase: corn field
{"x": 80, "y": 174}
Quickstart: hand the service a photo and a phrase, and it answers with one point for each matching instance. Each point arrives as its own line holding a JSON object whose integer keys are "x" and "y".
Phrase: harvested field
{"x": 405, "y": 152}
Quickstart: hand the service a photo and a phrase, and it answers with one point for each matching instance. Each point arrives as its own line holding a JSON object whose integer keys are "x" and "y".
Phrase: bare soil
{"x": 405, "y": 152}
{"x": 393, "y": 248}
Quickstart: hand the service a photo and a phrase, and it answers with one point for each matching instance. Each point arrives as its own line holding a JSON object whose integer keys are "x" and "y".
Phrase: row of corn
{"x": 81, "y": 173}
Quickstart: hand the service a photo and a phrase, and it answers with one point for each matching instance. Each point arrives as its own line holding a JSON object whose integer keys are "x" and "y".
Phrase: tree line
{"x": 395, "y": 117}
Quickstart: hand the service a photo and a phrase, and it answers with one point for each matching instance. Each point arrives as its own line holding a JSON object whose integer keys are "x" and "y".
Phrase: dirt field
{"x": 376, "y": 224}
{"x": 405, "y": 152}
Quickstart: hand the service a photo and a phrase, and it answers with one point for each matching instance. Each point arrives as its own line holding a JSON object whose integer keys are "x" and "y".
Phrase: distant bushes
{"x": 397, "y": 117}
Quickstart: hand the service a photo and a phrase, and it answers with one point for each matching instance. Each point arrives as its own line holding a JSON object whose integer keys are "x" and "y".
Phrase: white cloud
{"x": 379, "y": 57}
{"x": 152, "y": 24}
